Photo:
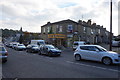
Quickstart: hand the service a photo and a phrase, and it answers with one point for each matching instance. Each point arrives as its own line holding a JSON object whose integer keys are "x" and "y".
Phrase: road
{"x": 28, "y": 65}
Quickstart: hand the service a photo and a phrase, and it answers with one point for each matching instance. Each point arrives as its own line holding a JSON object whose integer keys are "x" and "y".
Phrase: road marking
{"x": 34, "y": 54}
{"x": 46, "y": 57}
{"x": 93, "y": 66}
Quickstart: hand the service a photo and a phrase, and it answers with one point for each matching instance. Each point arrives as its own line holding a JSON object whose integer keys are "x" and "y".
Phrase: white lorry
{"x": 37, "y": 42}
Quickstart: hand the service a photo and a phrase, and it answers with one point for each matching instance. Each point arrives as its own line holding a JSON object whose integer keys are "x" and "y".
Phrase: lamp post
{"x": 110, "y": 26}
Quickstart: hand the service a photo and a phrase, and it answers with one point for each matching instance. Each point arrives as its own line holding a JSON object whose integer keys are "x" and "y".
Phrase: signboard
{"x": 56, "y": 36}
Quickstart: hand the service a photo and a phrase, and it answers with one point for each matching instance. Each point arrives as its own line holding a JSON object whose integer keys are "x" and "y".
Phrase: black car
{"x": 50, "y": 50}
{"x": 32, "y": 48}
{"x": 3, "y": 54}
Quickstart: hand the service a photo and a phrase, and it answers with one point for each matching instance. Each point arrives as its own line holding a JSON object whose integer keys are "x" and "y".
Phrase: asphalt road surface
{"x": 28, "y": 65}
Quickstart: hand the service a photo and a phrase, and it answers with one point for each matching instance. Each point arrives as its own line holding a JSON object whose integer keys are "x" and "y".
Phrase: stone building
{"x": 65, "y": 32}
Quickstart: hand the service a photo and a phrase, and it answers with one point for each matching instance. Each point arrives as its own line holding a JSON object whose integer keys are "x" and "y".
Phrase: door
{"x": 94, "y": 53}
{"x": 46, "y": 50}
{"x": 90, "y": 53}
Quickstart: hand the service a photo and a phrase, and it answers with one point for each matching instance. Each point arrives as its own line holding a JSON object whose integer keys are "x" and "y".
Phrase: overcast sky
{"x": 31, "y": 14}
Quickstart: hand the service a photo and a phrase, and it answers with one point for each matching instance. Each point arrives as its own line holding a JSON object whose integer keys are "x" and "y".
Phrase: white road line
{"x": 93, "y": 66}
{"x": 34, "y": 54}
{"x": 46, "y": 57}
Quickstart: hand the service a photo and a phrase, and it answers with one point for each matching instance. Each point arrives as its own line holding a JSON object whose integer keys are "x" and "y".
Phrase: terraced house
{"x": 65, "y": 32}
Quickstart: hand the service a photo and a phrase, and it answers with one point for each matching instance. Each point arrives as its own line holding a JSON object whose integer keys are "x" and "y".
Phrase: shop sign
{"x": 56, "y": 36}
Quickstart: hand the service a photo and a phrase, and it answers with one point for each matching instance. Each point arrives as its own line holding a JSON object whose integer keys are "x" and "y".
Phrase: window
{"x": 93, "y": 48}
{"x": 59, "y": 28}
{"x": 90, "y": 48}
{"x": 84, "y": 29}
{"x": 84, "y": 47}
{"x": 92, "y": 32}
{"x": 43, "y": 30}
{"x": 106, "y": 33}
{"x": 99, "y": 31}
{"x": 70, "y": 28}
{"x": 48, "y": 29}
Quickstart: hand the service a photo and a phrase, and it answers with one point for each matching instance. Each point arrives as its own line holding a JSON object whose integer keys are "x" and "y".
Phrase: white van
{"x": 115, "y": 43}
{"x": 37, "y": 42}
{"x": 77, "y": 43}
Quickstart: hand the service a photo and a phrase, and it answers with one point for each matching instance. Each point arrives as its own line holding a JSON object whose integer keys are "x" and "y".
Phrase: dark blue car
{"x": 3, "y": 54}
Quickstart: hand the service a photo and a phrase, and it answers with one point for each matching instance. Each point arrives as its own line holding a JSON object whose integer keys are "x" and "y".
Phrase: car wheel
{"x": 107, "y": 61}
{"x": 4, "y": 61}
{"x": 77, "y": 57}
{"x": 39, "y": 52}
{"x": 49, "y": 54}
{"x": 27, "y": 51}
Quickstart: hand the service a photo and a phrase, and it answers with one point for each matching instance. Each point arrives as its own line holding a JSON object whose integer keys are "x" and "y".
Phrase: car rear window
{"x": 2, "y": 49}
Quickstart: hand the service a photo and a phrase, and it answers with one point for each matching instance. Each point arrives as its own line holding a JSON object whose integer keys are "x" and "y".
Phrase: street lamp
{"x": 110, "y": 26}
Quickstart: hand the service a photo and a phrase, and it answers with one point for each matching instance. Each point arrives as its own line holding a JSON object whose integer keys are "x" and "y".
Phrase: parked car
{"x": 14, "y": 45}
{"x": 96, "y": 53}
{"x": 7, "y": 44}
{"x": 20, "y": 47}
{"x": 1, "y": 44}
{"x": 32, "y": 48}
{"x": 10, "y": 45}
{"x": 50, "y": 50}
{"x": 77, "y": 43}
{"x": 116, "y": 43}
{"x": 3, "y": 54}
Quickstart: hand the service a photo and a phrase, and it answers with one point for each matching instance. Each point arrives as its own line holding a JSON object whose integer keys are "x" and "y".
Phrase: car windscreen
{"x": 101, "y": 48}
{"x": 40, "y": 43}
{"x": 75, "y": 43}
{"x": 51, "y": 47}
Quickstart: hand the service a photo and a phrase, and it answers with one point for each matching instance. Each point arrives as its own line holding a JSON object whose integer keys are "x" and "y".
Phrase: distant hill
{"x": 14, "y": 35}
{"x": 8, "y": 33}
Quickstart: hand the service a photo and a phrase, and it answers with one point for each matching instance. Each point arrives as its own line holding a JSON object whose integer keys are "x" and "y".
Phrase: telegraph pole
{"x": 110, "y": 26}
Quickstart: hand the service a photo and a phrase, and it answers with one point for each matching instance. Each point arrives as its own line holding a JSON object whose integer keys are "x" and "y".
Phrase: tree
{"x": 20, "y": 39}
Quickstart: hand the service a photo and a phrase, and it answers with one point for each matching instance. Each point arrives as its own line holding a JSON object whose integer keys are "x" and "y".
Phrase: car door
{"x": 46, "y": 50}
{"x": 84, "y": 52}
{"x": 94, "y": 53}
{"x": 41, "y": 49}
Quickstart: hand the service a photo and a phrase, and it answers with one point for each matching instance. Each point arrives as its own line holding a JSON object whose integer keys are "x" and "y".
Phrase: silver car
{"x": 96, "y": 53}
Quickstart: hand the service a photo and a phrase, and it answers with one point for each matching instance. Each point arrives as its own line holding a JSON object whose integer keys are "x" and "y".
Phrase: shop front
{"x": 58, "y": 39}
